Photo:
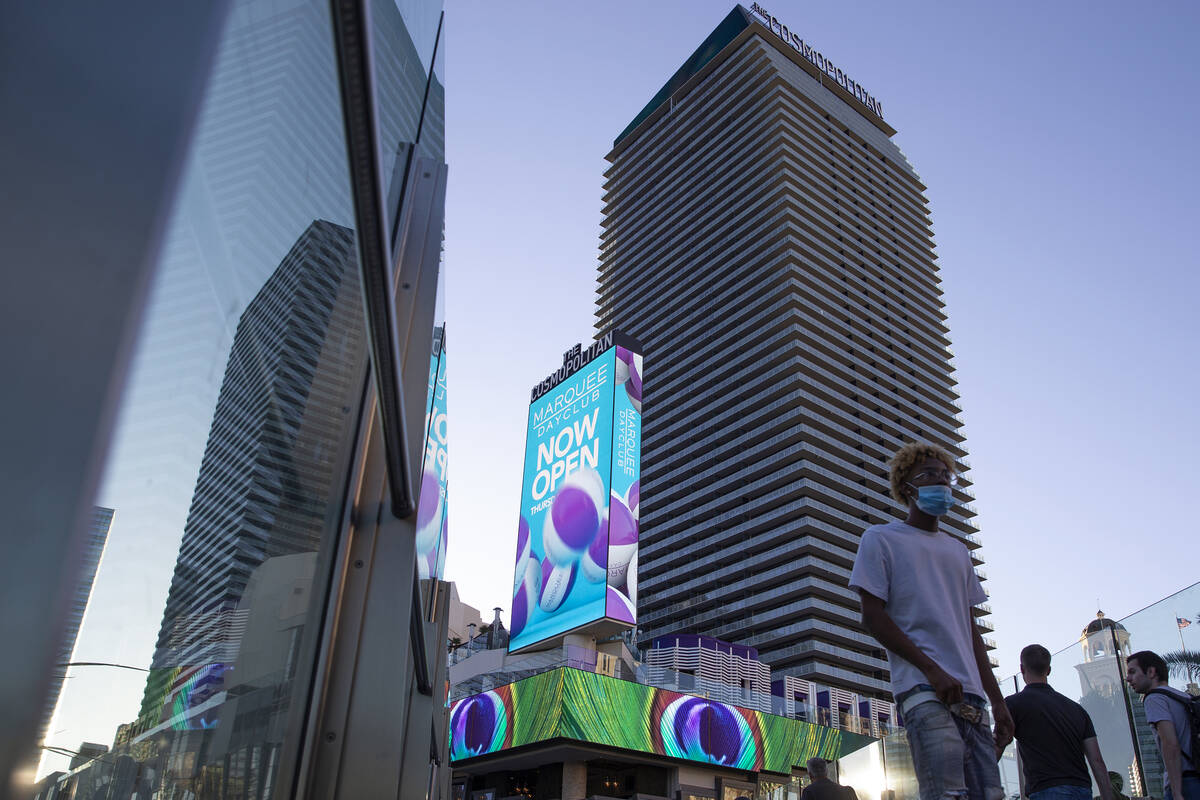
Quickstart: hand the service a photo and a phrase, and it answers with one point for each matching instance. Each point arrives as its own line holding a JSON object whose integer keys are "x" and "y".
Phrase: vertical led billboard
{"x": 431, "y": 503}
{"x": 577, "y": 535}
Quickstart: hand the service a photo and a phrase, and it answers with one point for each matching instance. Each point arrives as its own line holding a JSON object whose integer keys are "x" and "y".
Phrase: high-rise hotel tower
{"x": 772, "y": 248}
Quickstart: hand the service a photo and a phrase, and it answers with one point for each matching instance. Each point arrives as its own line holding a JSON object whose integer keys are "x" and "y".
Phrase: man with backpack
{"x": 1174, "y": 716}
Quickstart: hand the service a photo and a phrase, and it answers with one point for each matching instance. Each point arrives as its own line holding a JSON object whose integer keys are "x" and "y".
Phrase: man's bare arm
{"x": 1171, "y": 755}
{"x": 1003, "y": 730}
{"x": 1091, "y": 751}
{"x": 885, "y": 630}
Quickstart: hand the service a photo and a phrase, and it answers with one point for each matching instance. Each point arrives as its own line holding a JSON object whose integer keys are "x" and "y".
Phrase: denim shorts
{"x": 1062, "y": 793}
{"x": 1191, "y": 789}
{"x": 953, "y": 758}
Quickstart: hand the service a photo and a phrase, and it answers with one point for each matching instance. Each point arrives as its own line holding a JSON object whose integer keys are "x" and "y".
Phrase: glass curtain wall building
{"x": 266, "y": 429}
{"x": 772, "y": 247}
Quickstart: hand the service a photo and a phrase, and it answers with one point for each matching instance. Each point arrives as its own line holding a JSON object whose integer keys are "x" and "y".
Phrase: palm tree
{"x": 454, "y": 643}
{"x": 1184, "y": 662}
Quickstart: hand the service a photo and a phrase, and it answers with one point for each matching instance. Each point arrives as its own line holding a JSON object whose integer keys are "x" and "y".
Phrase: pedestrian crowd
{"x": 918, "y": 586}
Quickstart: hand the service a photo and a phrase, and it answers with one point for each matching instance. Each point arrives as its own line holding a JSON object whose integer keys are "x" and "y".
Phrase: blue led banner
{"x": 577, "y": 534}
{"x": 621, "y": 599}
{"x": 431, "y": 504}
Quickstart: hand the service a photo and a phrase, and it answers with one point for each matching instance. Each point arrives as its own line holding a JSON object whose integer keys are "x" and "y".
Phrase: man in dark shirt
{"x": 1054, "y": 736}
{"x": 822, "y": 788}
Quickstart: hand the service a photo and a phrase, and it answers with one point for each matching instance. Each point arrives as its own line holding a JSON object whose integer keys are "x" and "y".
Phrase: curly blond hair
{"x": 908, "y": 456}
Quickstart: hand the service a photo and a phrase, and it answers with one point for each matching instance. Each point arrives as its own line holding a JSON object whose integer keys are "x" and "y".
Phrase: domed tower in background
{"x": 1105, "y": 647}
{"x": 1114, "y": 708}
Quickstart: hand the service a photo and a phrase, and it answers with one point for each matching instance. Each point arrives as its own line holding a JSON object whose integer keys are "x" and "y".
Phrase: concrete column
{"x": 580, "y": 640}
{"x": 574, "y": 781}
{"x": 585, "y": 660}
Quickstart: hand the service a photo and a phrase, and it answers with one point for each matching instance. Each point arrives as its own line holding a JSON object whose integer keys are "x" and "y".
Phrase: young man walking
{"x": 917, "y": 586}
{"x": 1054, "y": 737}
{"x": 1167, "y": 712}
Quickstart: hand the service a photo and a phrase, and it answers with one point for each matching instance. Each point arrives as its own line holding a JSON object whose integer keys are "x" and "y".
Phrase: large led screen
{"x": 431, "y": 503}
{"x": 591, "y": 708}
{"x": 577, "y": 536}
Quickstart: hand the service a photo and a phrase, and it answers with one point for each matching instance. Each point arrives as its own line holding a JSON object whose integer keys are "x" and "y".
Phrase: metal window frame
{"x": 374, "y": 724}
{"x": 373, "y": 715}
{"x": 351, "y": 20}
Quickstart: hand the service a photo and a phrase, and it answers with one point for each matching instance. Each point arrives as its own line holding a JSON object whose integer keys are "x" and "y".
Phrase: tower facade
{"x": 772, "y": 247}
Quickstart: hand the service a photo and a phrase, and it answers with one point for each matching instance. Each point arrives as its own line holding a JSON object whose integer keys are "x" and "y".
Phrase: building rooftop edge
{"x": 730, "y": 30}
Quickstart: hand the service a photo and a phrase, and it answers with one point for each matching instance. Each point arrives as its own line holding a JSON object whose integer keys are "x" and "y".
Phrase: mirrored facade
{"x": 231, "y": 461}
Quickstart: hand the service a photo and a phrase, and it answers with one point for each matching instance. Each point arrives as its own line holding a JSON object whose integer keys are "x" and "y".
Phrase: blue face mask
{"x": 934, "y": 500}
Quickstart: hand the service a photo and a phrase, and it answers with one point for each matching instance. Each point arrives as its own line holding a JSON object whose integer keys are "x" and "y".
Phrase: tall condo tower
{"x": 772, "y": 248}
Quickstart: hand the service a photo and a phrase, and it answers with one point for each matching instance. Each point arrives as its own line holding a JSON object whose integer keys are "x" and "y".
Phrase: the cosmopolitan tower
{"x": 772, "y": 247}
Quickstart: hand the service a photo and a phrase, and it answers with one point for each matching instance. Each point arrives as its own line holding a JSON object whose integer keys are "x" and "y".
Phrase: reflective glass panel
{"x": 403, "y": 40}
{"x": 225, "y": 484}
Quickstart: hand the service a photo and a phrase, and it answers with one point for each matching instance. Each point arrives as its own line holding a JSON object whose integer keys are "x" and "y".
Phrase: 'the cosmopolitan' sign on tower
{"x": 818, "y": 60}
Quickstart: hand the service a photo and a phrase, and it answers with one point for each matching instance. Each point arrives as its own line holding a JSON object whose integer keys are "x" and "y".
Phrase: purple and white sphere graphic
{"x": 429, "y": 513}
{"x": 619, "y": 607}
{"x": 556, "y": 584}
{"x": 526, "y": 595}
{"x": 594, "y": 564}
{"x": 574, "y": 518}
{"x": 426, "y": 563}
{"x": 524, "y": 551}
{"x": 633, "y": 499}
{"x": 629, "y": 374}
{"x": 622, "y": 541}
{"x": 439, "y": 565}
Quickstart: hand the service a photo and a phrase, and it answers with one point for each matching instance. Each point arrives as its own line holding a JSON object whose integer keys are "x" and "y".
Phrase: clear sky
{"x": 1057, "y": 142}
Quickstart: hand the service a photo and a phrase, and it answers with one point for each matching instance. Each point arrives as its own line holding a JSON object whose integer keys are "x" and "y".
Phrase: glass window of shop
{"x": 187, "y": 668}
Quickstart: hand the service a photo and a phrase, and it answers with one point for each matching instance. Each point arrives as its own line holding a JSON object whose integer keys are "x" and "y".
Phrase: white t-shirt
{"x": 1158, "y": 709}
{"x": 928, "y": 585}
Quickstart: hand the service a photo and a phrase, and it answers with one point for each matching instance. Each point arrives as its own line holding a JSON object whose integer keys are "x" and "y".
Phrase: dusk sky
{"x": 1056, "y": 141}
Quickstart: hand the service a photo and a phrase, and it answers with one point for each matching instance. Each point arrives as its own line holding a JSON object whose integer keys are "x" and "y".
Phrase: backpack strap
{"x": 1190, "y": 710}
